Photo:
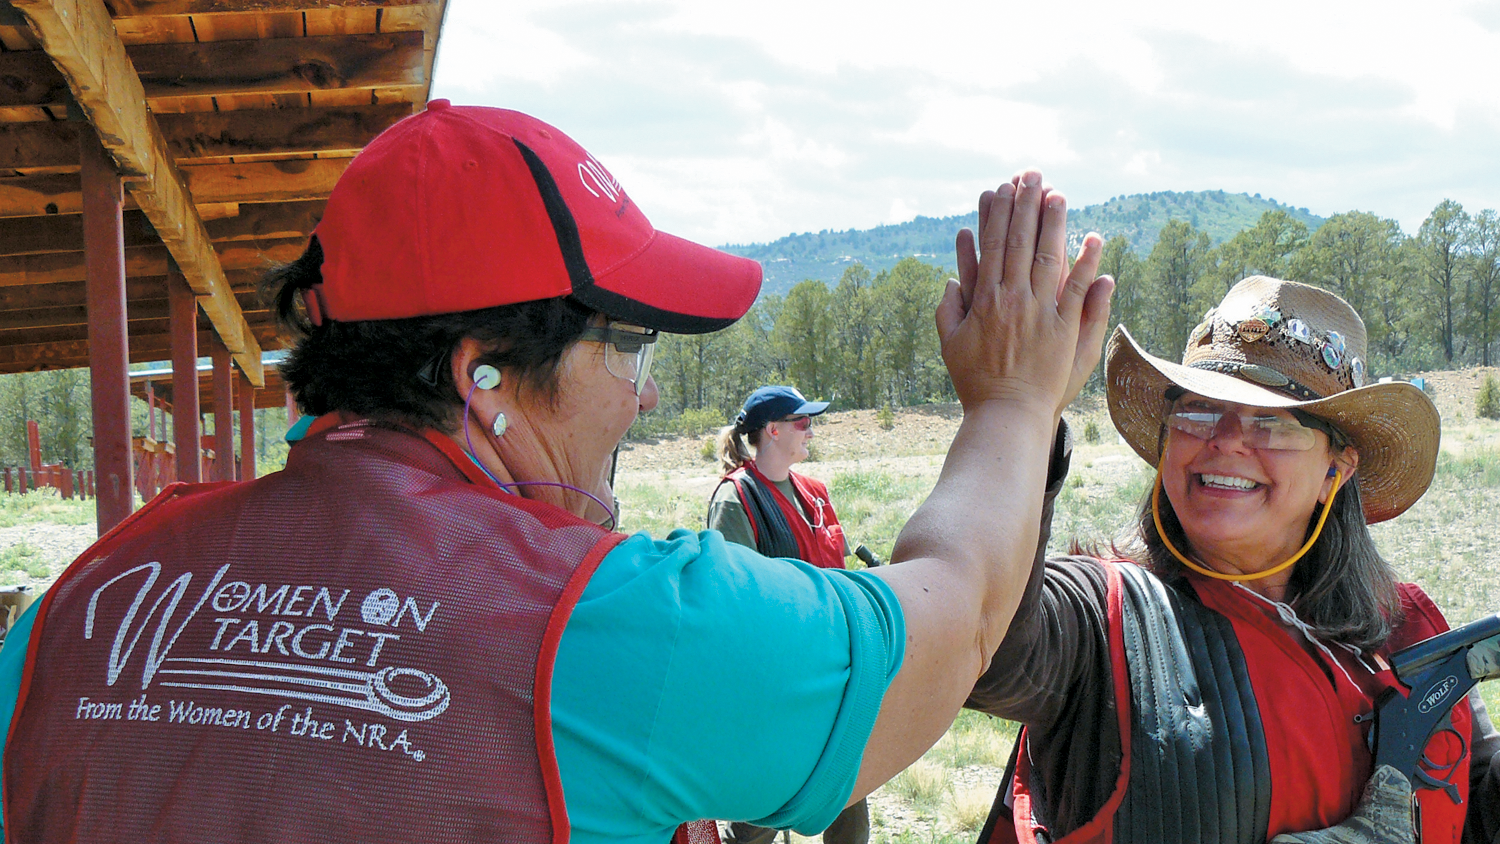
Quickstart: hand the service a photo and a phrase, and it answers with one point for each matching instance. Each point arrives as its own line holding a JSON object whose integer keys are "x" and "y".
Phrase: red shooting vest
{"x": 1318, "y": 755}
{"x": 358, "y": 648}
{"x": 820, "y": 543}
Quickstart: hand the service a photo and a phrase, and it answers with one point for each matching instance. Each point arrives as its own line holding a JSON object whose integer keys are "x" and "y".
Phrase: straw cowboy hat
{"x": 1274, "y": 343}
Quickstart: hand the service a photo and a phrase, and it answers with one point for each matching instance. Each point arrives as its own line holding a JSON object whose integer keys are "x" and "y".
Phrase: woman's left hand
{"x": 1383, "y": 817}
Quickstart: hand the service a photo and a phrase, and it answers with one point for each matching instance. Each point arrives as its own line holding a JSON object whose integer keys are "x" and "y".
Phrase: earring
{"x": 501, "y": 425}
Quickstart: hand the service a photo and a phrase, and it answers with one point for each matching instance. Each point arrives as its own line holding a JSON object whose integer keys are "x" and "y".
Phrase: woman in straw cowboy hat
{"x": 1219, "y": 685}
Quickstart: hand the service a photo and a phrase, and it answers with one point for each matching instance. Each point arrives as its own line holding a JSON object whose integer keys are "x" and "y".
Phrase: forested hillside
{"x": 1430, "y": 300}
{"x": 1139, "y": 218}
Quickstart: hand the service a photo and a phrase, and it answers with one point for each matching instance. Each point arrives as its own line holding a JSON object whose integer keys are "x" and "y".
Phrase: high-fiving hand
{"x": 1017, "y": 324}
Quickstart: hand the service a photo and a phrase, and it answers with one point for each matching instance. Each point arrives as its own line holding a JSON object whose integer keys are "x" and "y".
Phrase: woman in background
{"x": 761, "y": 503}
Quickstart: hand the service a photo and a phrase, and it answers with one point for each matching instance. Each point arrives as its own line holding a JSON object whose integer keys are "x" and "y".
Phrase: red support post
{"x": 151, "y": 411}
{"x": 186, "y": 430}
{"x": 67, "y": 484}
{"x": 9, "y": 481}
{"x": 21, "y": 480}
{"x": 223, "y": 412}
{"x": 34, "y": 444}
{"x": 246, "y": 396}
{"x": 104, "y": 258}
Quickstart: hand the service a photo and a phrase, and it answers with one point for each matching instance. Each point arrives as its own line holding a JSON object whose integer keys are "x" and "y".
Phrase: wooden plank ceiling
{"x": 252, "y": 110}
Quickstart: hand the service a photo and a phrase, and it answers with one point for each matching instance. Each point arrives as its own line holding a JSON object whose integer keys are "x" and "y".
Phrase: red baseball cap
{"x": 465, "y": 207}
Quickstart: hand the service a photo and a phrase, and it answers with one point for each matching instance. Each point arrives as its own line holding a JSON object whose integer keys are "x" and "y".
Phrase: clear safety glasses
{"x": 1203, "y": 419}
{"x": 628, "y": 351}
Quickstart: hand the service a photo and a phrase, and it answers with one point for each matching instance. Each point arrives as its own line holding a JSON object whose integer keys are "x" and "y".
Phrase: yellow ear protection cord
{"x": 1338, "y": 479}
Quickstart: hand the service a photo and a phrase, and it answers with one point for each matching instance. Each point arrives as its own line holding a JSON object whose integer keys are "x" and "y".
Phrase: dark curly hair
{"x": 396, "y": 370}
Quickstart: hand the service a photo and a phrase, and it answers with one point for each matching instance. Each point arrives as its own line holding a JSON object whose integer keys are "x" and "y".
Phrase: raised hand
{"x": 1018, "y": 324}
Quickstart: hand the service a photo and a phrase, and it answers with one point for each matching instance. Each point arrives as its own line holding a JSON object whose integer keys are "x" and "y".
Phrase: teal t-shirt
{"x": 644, "y": 733}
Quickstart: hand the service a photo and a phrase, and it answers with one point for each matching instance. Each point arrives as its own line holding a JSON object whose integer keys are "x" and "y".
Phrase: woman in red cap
{"x": 1220, "y": 685}
{"x": 425, "y": 629}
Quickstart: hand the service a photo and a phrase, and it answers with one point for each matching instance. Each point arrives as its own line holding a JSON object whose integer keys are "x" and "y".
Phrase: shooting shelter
{"x": 155, "y": 157}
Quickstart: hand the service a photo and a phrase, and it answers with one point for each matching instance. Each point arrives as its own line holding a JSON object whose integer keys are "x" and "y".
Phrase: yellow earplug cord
{"x": 1338, "y": 479}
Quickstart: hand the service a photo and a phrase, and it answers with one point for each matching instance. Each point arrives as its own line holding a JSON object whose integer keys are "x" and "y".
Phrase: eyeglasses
{"x": 628, "y": 351}
{"x": 801, "y": 423}
{"x": 1202, "y": 419}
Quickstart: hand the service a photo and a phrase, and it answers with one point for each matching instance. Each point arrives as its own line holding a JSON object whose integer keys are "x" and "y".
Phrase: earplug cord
{"x": 1338, "y": 479}
{"x": 468, "y": 411}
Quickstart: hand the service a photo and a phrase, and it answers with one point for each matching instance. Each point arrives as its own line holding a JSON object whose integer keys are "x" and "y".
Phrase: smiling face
{"x": 1245, "y": 481}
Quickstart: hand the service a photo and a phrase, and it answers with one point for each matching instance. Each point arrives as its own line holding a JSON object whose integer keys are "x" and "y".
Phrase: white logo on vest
{"x": 317, "y": 657}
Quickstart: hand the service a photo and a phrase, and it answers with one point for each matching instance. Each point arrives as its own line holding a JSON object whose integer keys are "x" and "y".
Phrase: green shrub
{"x": 885, "y": 417}
{"x": 710, "y": 449}
{"x": 1091, "y": 432}
{"x": 693, "y": 422}
{"x": 1487, "y": 403}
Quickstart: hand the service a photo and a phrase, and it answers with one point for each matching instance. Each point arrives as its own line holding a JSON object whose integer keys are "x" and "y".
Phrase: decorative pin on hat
{"x": 1394, "y": 426}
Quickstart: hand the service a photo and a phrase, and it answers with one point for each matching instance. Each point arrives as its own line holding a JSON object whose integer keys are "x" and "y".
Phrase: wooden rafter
{"x": 264, "y": 181}
{"x": 133, "y": 8}
{"x": 56, "y": 267}
{"x": 254, "y": 222}
{"x": 270, "y": 66}
{"x": 144, "y": 348}
{"x": 81, "y": 39}
{"x": 197, "y": 135}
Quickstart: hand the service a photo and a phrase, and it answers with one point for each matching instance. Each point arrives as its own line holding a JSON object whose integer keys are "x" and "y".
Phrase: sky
{"x": 745, "y": 122}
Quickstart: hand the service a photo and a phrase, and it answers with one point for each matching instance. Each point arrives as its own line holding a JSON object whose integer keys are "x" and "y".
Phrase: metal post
{"x": 104, "y": 257}
{"x": 247, "y": 428}
{"x": 223, "y": 412}
{"x": 183, "y": 309}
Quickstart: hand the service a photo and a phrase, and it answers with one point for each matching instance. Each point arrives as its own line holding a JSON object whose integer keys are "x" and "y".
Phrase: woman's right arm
{"x": 1019, "y": 334}
{"x": 727, "y": 516}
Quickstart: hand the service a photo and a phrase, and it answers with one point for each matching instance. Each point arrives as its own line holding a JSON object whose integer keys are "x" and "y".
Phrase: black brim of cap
{"x": 676, "y": 286}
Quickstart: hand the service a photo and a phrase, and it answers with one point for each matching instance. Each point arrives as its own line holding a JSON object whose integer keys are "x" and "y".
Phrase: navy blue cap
{"x": 769, "y": 404}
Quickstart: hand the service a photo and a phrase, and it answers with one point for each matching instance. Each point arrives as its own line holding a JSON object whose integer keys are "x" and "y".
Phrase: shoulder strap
{"x": 773, "y": 535}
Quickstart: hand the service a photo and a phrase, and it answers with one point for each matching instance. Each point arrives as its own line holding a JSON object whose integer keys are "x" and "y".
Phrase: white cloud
{"x": 742, "y": 122}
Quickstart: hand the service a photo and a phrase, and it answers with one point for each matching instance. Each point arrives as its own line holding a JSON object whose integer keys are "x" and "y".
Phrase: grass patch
{"x": 44, "y": 505}
{"x": 658, "y": 508}
{"x": 874, "y": 504}
{"x": 974, "y": 739}
{"x": 22, "y": 557}
{"x": 923, "y": 785}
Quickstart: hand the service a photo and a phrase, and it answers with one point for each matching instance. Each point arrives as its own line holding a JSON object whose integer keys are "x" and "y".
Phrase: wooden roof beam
{"x": 255, "y": 222}
{"x": 212, "y": 134}
{"x": 258, "y": 181}
{"x": 156, "y": 8}
{"x": 269, "y": 66}
{"x": 81, "y": 39}
{"x": 279, "y": 65}
{"x": 145, "y": 348}
{"x": 61, "y": 294}
{"x": 55, "y": 267}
